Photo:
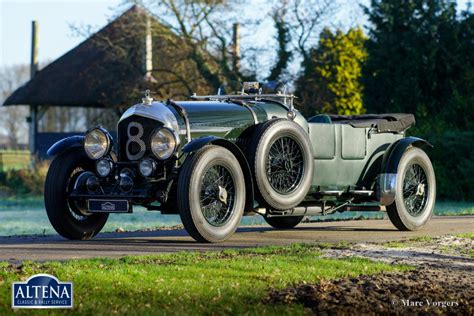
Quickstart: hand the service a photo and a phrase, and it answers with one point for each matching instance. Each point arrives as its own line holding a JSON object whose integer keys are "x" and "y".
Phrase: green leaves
{"x": 330, "y": 82}
{"x": 418, "y": 60}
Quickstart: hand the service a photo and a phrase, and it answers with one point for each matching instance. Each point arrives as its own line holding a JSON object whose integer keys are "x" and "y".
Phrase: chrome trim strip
{"x": 244, "y": 96}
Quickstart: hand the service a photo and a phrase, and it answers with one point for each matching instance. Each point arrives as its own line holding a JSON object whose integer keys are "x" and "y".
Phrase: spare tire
{"x": 281, "y": 158}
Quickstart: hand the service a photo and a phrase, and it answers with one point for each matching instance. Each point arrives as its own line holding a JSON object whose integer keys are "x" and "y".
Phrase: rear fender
{"x": 387, "y": 181}
{"x": 199, "y": 143}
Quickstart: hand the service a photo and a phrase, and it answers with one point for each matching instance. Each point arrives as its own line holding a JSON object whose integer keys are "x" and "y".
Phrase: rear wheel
{"x": 415, "y": 191}
{"x": 211, "y": 194}
{"x": 286, "y": 222}
{"x": 69, "y": 219}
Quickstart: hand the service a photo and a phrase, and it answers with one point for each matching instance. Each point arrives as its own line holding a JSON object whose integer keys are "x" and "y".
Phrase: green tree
{"x": 330, "y": 81}
{"x": 420, "y": 60}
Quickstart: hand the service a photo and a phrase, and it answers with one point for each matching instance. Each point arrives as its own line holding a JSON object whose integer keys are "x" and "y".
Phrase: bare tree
{"x": 205, "y": 27}
{"x": 307, "y": 20}
{"x": 196, "y": 43}
{"x": 284, "y": 54}
{"x": 13, "y": 118}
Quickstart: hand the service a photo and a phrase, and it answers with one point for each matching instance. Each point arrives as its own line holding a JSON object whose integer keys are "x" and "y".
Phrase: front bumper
{"x": 141, "y": 190}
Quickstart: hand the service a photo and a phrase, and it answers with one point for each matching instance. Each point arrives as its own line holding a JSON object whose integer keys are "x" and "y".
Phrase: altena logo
{"x": 107, "y": 206}
{"x": 42, "y": 291}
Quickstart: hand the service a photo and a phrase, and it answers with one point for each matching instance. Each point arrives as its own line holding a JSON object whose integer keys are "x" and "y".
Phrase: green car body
{"x": 352, "y": 165}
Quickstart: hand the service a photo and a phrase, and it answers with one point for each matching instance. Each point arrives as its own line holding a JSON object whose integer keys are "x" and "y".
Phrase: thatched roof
{"x": 106, "y": 70}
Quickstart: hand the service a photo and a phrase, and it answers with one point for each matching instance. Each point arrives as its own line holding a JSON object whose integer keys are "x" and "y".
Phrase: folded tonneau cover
{"x": 392, "y": 122}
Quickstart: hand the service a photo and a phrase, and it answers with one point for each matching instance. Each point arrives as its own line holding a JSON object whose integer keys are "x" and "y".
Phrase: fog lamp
{"x": 126, "y": 183}
{"x": 146, "y": 167}
{"x": 103, "y": 167}
{"x": 92, "y": 184}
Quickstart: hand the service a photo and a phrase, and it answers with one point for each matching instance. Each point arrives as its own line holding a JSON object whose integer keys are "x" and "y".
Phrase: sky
{"x": 55, "y": 19}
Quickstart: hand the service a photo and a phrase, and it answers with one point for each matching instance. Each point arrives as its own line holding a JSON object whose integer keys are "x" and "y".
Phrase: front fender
{"x": 200, "y": 142}
{"x": 65, "y": 144}
{"x": 387, "y": 182}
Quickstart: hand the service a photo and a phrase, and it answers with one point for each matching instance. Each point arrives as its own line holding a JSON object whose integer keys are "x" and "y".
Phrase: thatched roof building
{"x": 113, "y": 66}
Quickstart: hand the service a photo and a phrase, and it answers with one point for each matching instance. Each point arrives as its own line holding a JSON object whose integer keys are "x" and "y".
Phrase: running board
{"x": 352, "y": 192}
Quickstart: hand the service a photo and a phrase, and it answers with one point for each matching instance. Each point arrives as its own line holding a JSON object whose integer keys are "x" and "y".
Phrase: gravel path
{"x": 444, "y": 252}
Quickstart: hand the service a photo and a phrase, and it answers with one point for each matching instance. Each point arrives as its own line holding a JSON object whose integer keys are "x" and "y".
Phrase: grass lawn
{"x": 466, "y": 235}
{"x": 227, "y": 282}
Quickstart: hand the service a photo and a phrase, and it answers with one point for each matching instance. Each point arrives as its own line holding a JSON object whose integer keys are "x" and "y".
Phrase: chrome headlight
{"x": 163, "y": 143}
{"x": 97, "y": 143}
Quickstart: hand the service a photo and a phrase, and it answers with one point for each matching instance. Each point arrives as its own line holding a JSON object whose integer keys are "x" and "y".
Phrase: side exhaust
{"x": 312, "y": 210}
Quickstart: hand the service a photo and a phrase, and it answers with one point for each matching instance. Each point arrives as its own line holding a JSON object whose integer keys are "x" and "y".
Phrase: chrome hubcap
{"x": 223, "y": 195}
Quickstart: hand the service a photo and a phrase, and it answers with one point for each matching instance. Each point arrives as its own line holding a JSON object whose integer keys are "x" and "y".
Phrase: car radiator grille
{"x": 134, "y": 137}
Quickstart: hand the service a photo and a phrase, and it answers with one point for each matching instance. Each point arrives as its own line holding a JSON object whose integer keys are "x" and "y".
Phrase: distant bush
{"x": 14, "y": 159}
{"x": 25, "y": 181}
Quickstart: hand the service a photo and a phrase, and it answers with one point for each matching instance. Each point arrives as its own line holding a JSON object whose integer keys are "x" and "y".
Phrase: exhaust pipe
{"x": 297, "y": 211}
{"x": 311, "y": 210}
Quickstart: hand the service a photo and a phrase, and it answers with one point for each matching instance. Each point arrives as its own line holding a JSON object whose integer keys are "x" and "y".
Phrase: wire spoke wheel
{"x": 211, "y": 194}
{"x": 415, "y": 189}
{"x": 217, "y": 195}
{"x": 285, "y": 165}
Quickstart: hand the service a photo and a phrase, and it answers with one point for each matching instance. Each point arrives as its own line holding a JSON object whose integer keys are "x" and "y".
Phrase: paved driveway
{"x": 121, "y": 244}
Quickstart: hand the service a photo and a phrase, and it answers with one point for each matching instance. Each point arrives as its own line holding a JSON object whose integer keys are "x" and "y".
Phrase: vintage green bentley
{"x": 221, "y": 157}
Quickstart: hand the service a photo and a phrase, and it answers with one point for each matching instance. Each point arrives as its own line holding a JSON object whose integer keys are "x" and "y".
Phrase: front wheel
{"x": 211, "y": 194}
{"x": 415, "y": 191}
{"x": 284, "y": 222}
{"x": 66, "y": 217}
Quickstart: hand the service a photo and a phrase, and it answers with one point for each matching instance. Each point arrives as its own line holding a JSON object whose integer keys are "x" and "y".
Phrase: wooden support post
{"x": 236, "y": 48}
{"x": 33, "y": 119}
